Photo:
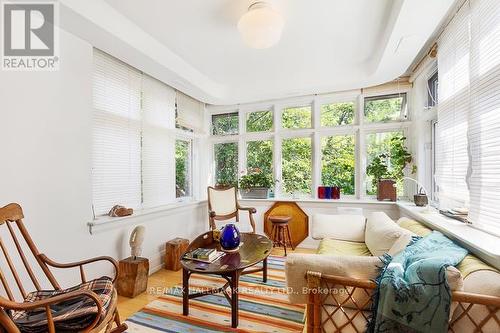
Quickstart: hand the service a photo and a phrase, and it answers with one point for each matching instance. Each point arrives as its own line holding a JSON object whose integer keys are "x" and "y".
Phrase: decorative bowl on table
{"x": 230, "y": 238}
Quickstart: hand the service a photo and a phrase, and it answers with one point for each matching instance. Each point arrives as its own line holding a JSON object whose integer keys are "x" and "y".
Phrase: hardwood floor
{"x": 163, "y": 279}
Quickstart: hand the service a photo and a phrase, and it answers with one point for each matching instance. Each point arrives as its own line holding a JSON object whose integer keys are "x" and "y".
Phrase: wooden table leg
{"x": 264, "y": 271}
{"x": 235, "y": 276}
{"x": 185, "y": 292}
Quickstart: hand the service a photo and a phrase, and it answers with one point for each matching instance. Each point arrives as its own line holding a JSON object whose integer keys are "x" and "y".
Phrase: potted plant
{"x": 255, "y": 184}
{"x": 389, "y": 168}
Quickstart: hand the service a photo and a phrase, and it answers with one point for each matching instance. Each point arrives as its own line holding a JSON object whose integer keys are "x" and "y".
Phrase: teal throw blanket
{"x": 412, "y": 293}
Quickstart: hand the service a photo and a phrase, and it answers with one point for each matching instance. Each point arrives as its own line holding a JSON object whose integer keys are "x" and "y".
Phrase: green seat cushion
{"x": 342, "y": 248}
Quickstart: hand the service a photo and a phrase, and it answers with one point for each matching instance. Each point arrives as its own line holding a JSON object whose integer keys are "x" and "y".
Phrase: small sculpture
{"x": 136, "y": 240}
{"x": 120, "y": 211}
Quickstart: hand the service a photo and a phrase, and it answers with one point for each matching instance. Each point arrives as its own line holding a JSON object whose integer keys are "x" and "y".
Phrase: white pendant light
{"x": 261, "y": 26}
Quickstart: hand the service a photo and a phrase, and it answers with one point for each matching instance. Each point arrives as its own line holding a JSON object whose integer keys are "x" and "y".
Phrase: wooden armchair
{"x": 88, "y": 307}
{"x": 223, "y": 205}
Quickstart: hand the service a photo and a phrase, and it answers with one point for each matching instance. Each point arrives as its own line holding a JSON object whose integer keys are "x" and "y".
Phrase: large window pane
{"x": 259, "y": 121}
{"x": 385, "y": 108}
{"x": 336, "y": 114}
{"x": 260, "y": 155}
{"x": 376, "y": 144}
{"x": 337, "y": 162}
{"x": 226, "y": 163}
{"x": 182, "y": 168}
{"x": 296, "y": 166}
{"x": 225, "y": 124}
{"x": 296, "y": 117}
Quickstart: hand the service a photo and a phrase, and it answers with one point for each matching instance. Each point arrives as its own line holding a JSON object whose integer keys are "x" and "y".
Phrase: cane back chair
{"x": 223, "y": 205}
{"x": 88, "y": 307}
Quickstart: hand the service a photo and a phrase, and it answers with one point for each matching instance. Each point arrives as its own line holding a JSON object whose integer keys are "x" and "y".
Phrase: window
{"x": 300, "y": 153}
{"x": 376, "y": 144}
{"x": 134, "y": 146}
{"x": 260, "y": 121}
{"x": 225, "y": 124}
{"x": 296, "y": 166}
{"x": 226, "y": 163}
{"x": 182, "y": 168}
{"x": 297, "y": 117}
{"x": 385, "y": 108}
{"x": 338, "y": 162}
{"x": 432, "y": 90}
{"x": 336, "y": 114}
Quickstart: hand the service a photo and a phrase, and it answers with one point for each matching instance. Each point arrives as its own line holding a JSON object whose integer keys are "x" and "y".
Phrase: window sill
{"x": 347, "y": 200}
{"x": 102, "y": 223}
{"x": 484, "y": 245}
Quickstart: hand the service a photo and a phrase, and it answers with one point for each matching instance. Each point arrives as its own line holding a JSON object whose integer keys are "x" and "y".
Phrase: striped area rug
{"x": 263, "y": 307}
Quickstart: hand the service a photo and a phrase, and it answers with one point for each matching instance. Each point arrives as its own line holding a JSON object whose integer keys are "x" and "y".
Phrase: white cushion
{"x": 222, "y": 202}
{"x": 381, "y": 233}
{"x": 341, "y": 227}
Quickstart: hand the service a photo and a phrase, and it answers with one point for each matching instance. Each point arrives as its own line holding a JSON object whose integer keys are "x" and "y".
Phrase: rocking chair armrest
{"x": 251, "y": 210}
{"x": 81, "y": 263}
{"x": 11, "y": 305}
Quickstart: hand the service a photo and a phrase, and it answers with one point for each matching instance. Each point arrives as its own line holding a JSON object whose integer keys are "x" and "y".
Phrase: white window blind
{"x": 190, "y": 112}
{"x": 452, "y": 159}
{"x": 158, "y": 142}
{"x": 484, "y": 124}
{"x": 116, "y": 158}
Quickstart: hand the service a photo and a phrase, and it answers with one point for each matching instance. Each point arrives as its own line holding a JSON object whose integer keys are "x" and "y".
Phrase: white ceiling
{"x": 193, "y": 45}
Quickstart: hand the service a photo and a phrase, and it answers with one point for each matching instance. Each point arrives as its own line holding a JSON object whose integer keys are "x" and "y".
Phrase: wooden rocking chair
{"x": 88, "y": 307}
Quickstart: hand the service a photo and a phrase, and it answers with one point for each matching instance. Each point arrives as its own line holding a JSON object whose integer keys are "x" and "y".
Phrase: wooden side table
{"x": 174, "y": 249}
{"x": 132, "y": 276}
{"x": 281, "y": 232}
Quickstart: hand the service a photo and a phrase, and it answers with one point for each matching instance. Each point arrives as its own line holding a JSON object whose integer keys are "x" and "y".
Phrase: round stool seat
{"x": 280, "y": 219}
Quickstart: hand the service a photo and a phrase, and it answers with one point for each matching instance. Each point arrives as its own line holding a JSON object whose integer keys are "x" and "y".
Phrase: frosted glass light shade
{"x": 261, "y": 26}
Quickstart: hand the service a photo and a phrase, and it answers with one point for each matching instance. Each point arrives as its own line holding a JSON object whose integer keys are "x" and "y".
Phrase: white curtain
{"x": 158, "y": 142}
{"x": 452, "y": 160}
{"x": 484, "y": 119}
{"x": 116, "y": 157}
{"x": 190, "y": 113}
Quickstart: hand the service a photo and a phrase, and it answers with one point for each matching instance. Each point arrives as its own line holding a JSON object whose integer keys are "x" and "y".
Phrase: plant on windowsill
{"x": 255, "y": 184}
{"x": 389, "y": 168}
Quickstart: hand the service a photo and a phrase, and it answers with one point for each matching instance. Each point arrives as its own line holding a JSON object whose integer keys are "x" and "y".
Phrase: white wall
{"x": 45, "y": 165}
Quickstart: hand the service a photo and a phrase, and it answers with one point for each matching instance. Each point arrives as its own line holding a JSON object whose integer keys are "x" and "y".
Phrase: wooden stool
{"x": 132, "y": 276}
{"x": 174, "y": 249}
{"x": 280, "y": 232}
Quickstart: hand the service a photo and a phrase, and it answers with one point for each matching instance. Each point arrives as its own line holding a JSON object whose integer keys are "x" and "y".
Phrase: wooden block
{"x": 174, "y": 249}
{"x": 132, "y": 276}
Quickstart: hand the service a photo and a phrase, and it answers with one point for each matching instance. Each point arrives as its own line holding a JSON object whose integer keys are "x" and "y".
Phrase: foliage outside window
{"x": 385, "y": 108}
{"x": 259, "y": 121}
{"x": 226, "y": 163}
{"x": 225, "y": 124}
{"x": 182, "y": 168}
{"x": 260, "y": 156}
{"x": 297, "y": 117}
{"x": 296, "y": 166}
{"x": 336, "y": 114}
{"x": 388, "y": 158}
{"x": 338, "y": 162}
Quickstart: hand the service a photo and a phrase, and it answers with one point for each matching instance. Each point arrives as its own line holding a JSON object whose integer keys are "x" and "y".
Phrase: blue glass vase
{"x": 229, "y": 237}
